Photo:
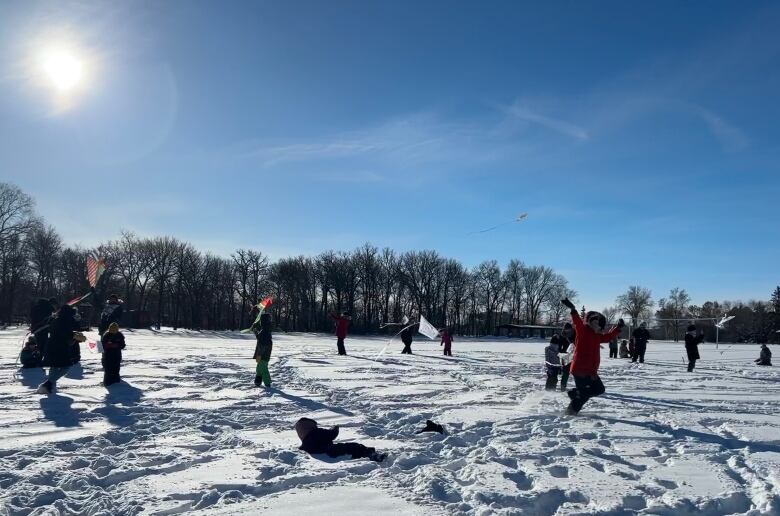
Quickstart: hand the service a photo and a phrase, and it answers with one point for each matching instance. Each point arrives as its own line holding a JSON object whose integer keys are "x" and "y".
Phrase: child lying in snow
{"x": 318, "y": 440}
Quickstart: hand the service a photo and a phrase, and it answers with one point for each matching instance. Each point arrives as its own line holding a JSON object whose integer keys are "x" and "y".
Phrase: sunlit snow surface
{"x": 188, "y": 432}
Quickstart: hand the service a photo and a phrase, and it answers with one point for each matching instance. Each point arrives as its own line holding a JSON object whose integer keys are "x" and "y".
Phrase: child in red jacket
{"x": 587, "y": 356}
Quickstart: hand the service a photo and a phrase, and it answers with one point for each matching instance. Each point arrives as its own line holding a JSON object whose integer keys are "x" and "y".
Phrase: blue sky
{"x": 640, "y": 137}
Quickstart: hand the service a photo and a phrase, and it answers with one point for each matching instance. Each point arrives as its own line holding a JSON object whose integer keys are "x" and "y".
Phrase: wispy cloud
{"x": 564, "y": 127}
{"x": 730, "y": 137}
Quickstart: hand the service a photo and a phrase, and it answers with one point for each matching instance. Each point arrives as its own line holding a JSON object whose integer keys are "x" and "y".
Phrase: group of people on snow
{"x": 55, "y": 341}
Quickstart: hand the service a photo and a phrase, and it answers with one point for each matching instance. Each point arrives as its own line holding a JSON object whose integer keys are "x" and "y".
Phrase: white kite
{"x": 726, "y": 318}
{"x": 427, "y": 329}
{"x": 519, "y": 218}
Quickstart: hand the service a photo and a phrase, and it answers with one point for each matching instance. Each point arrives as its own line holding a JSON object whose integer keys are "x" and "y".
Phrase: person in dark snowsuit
{"x": 406, "y": 338}
{"x": 40, "y": 315}
{"x": 112, "y": 312}
{"x": 587, "y": 356}
{"x": 30, "y": 355}
{"x": 765, "y": 357}
{"x": 342, "y": 323}
{"x": 692, "y": 341}
{"x": 446, "y": 340}
{"x": 63, "y": 331}
{"x": 623, "y": 353}
{"x": 113, "y": 342}
{"x": 263, "y": 350}
{"x": 552, "y": 362}
{"x": 316, "y": 440}
{"x": 613, "y": 348}
{"x": 641, "y": 336}
{"x": 566, "y": 341}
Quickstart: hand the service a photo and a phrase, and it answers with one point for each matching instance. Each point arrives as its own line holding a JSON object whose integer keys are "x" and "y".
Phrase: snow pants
{"x": 354, "y": 450}
{"x": 111, "y": 363}
{"x": 565, "y": 376}
{"x": 340, "y": 345}
{"x": 552, "y": 378}
{"x": 639, "y": 352}
{"x": 55, "y": 373}
{"x": 263, "y": 373}
{"x": 587, "y": 387}
{"x": 407, "y": 349}
{"x": 613, "y": 352}
{"x": 448, "y": 351}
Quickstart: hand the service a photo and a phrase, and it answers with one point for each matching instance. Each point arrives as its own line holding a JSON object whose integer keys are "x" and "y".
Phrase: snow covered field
{"x": 188, "y": 433}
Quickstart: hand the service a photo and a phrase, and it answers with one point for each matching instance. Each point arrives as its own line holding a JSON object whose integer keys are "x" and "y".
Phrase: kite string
{"x": 391, "y": 340}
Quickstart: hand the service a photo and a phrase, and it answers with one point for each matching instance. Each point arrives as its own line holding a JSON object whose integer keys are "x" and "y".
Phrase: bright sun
{"x": 63, "y": 69}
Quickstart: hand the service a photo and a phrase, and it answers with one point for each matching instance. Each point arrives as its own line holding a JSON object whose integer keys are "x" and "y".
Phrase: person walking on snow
{"x": 446, "y": 340}
{"x": 566, "y": 340}
{"x": 552, "y": 362}
{"x": 263, "y": 351}
{"x": 585, "y": 364}
{"x": 765, "y": 357}
{"x": 63, "y": 331}
{"x": 406, "y": 337}
{"x": 342, "y": 323}
{"x": 692, "y": 341}
{"x": 113, "y": 342}
{"x": 641, "y": 336}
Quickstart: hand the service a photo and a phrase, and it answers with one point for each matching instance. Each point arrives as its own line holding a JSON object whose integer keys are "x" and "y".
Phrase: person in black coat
{"x": 113, "y": 342}
{"x": 316, "y": 440}
{"x": 566, "y": 339}
{"x": 263, "y": 350}
{"x": 30, "y": 355}
{"x": 641, "y": 336}
{"x": 692, "y": 341}
{"x": 41, "y": 313}
{"x": 63, "y": 332}
{"x": 112, "y": 312}
{"x": 765, "y": 356}
{"x": 406, "y": 338}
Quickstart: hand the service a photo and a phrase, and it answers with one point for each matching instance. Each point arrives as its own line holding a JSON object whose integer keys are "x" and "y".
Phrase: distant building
{"x": 527, "y": 331}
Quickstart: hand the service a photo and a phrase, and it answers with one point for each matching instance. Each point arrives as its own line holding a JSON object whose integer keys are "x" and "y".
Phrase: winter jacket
{"x": 692, "y": 342}
{"x": 624, "y": 353}
{"x": 264, "y": 341}
{"x": 30, "y": 357}
{"x": 112, "y": 312}
{"x": 765, "y": 358}
{"x": 406, "y": 336}
{"x": 113, "y": 344}
{"x": 587, "y": 350}
{"x": 319, "y": 439}
{"x": 58, "y": 348}
{"x": 564, "y": 342}
{"x": 446, "y": 339}
{"x": 551, "y": 357}
{"x": 641, "y": 336}
{"x": 342, "y": 323}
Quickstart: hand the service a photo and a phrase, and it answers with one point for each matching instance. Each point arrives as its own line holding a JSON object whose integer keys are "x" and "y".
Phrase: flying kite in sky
{"x": 519, "y": 218}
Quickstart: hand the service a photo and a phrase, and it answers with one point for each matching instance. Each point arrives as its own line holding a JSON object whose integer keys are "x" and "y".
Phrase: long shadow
{"x": 76, "y": 372}
{"x": 314, "y": 361}
{"x": 58, "y": 410}
{"x": 309, "y": 404}
{"x": 730, "y": 443}
{"x": 33, "y": 376}
{"x": 121, "y": 399}
{"x": 652, "y": 401}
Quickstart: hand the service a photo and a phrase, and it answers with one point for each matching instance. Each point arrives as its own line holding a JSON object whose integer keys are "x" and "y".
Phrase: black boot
{"x": 258, "y": 381}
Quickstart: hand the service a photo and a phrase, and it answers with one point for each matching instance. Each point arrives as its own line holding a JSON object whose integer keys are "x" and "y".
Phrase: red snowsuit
{"x": 342, "y": 323}
{"x": 587, "y": 350}
{"x": 446, "y": 339}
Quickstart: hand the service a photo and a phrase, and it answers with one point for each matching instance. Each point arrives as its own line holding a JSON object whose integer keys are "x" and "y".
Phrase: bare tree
{"x": 636, "y": 302}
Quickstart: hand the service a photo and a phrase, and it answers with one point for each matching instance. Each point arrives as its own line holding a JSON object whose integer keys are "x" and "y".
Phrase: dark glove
{"x": 621, "y": 323}
{"x": 568, "y": 304}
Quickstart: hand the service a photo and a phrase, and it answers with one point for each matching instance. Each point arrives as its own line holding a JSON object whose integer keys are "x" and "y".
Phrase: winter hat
{"x": 691, "y": 327}
{"x": 568, "y": 326}
{"x": 602, "y": 319}
{"x": 304, "y": 426}
{"x": 113, "y": 327}
{"x": 555, "y": 339}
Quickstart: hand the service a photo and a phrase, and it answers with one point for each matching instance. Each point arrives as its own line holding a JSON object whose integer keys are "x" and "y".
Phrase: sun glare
{"x": 63, "y": 69}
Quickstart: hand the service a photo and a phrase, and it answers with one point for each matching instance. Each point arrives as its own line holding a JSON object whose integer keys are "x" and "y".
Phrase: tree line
{"x": 180, "y": 286}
